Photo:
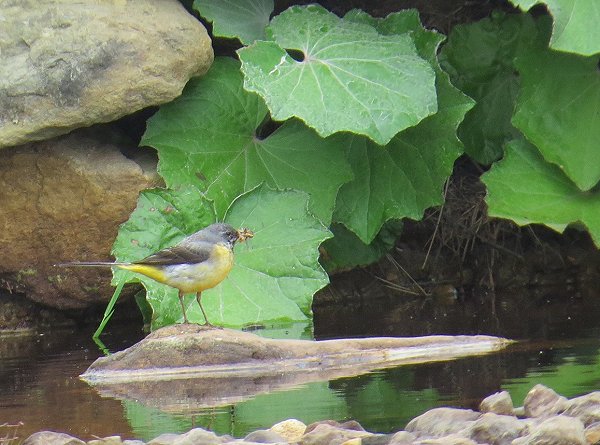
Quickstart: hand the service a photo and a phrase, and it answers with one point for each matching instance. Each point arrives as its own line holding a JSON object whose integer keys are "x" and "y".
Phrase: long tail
{"x": 90, "y": 264}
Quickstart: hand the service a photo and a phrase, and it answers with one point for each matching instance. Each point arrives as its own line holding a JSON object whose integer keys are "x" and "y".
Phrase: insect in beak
{"x": 244, "y": 233}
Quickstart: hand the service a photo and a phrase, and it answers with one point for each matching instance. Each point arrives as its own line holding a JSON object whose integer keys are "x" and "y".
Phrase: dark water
{"x": 40, "y": 388}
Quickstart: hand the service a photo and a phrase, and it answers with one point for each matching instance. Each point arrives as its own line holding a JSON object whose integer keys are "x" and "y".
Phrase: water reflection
{"x": 40, "y": 387}
{"x": 40, "y": 373}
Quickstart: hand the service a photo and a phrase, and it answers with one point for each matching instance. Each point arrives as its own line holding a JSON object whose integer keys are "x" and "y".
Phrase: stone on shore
{"x": 496, "y": 429}
{"x": 498, "y": 403}
{"x": 67, "y": 64}
{"x": 440, "y": 422}
{"x": 556, "y": 430}
{"x": 542, "y": 401}
{"x": 291, "y": 429}
{"x": 586, "y": 407}
{"x": 52, "y": 438}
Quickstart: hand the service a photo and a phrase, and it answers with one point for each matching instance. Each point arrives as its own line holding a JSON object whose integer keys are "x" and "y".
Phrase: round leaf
{"x": 349, "y": 78}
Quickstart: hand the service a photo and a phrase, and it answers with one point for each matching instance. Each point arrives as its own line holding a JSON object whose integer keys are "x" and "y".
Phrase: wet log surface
{"x": 209, "y": 367}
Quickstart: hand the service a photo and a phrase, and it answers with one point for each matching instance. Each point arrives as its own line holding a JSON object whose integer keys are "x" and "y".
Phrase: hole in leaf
{"x": 296, "y": 54}
{"x": 266, "y": 128}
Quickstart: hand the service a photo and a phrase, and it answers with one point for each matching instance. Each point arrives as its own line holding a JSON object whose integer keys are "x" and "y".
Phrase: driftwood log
{"x": 209, "y": 367}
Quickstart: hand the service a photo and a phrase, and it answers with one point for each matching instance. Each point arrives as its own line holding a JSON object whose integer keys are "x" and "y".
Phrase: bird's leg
{"x": 185, "y": 320}
{"x": 199, "y": 298}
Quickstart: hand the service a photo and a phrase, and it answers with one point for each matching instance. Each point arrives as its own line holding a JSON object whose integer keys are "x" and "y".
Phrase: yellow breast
{"x": 191, "y": 277}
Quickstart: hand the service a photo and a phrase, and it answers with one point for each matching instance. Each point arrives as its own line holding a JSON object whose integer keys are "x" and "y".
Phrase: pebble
{"x": 440, "y": 422}
{"x": 550, "y": 419}
{"x": 291, "y": 430}
{"x": 542, "y": 401}
{"x": 498, "y": 403}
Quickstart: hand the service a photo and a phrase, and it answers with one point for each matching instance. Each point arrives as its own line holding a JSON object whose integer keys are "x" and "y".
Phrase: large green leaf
{"x": 208, "y": 137}
{"x": 558, "y": 108}
{"x": 242, "y": 19}
{"x": 479, "y": 58}
{"x": 575, "y": 27}
{"x": 275, "y": 274}
{"x": 407, "y": 176}
{"x": 349, "y": 78}
{"x": 525, "y": 188}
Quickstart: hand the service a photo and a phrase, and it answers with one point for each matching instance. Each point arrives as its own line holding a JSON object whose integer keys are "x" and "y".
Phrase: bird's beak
{"x": 244, "y": 233}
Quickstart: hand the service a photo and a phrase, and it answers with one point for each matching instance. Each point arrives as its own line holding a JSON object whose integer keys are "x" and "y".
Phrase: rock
{"x": 452, "y": 439}
{"x": 498, "y": 403}
{"x": 519, "y": 411}
{"x": 63, "y": 200}
{"x": 111, "y": 440}
{"x": 164, "y": 439}
{"x": 196, "y": 436}
{"x": 199, "y": 436}
{"x": 291, "y": 429}
{"x": 592, "y": 433}
{"x": 542, "y": 401}
{"x": 265, "y": 436}
{"x": 133, "y": 442}
{"x": 245, "y": 442}
{"x": 67, "y": 64}
{"x": 496, "y": 429}
{"x": 586, "y": 408}
{"x": 376, "y": 439}
{"x": 330, "y": 435}
{"x": 440, "y": 422}
{"x": 402, "y": 438}
{"x": 349, "y": 425}
{"x": 51, "y": 438}
{"x": 558, "y": 430}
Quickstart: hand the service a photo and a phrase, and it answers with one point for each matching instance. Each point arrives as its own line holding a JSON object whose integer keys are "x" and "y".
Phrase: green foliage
{"x": 349, "y": 78}
{"x": 558, "y": 105}
{"x": 575, "y": 27}
{"x": 275, "y": 274}
{"x": 357, "y": 116}
{"x": 479, "y": 57}
{"x": 210, "y": 137}
{"x": 552, "y": 98}
{"x": 245, "y": 20}
{"x": 406, "y": 176}
{"x": 526, "y": 189}
{"x": 379, "y": 80}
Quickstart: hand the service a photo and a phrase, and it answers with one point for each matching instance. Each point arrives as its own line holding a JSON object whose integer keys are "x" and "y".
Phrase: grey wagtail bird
{"x": 198, "y": 262}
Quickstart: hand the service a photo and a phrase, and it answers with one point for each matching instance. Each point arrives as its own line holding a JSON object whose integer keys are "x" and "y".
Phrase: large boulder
{"x": 66, "y": 64}
{"x": 63, "y": 200}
